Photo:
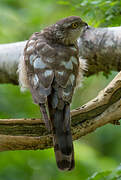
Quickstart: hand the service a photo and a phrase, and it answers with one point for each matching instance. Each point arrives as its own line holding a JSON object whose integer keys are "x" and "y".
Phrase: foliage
{"x": 40, "y": 165}
{"x": 97, "y": 12}
{"x": 107, "y": 175}
{"x": 98, "y": 152}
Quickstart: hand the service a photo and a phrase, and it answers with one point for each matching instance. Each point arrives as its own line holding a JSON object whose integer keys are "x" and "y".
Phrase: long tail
{"x": 62, "y": 138}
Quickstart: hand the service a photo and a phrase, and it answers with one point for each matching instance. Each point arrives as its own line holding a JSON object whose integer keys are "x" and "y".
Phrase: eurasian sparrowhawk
{"x": 50, "y": 69}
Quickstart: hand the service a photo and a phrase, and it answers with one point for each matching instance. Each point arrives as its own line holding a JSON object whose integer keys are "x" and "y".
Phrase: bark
{"x": 100, "y": 46}
{"x": 26, "y": 134}
{"x": 9, "y": 58}
{"x": 102, "y": 49}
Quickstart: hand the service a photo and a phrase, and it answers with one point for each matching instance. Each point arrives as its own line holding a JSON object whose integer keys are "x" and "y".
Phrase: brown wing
{"x": 40, "y": 75}
{"x": 44, "y": 62}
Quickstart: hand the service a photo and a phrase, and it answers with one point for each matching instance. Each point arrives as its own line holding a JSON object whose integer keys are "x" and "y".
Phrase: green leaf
{"x": 100, "y": 176}
{"x": 107, "y": 175}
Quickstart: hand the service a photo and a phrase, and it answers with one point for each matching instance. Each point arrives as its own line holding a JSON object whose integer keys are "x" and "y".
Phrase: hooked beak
{"x": 86, "y": 26}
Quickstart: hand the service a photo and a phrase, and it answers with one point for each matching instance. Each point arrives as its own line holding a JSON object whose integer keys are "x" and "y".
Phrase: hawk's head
{"x": 68, "y": 30}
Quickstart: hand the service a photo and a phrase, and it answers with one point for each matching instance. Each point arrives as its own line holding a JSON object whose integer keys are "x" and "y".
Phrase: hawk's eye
{"x": 74, "y": 25}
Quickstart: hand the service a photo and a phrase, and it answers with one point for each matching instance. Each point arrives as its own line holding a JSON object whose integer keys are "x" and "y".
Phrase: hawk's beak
{"x": 86, "y": 26}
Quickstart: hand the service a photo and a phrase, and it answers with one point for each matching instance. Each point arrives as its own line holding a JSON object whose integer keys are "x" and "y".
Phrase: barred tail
{"x": 64, "y": 162}
{"x": 62, "y": 138}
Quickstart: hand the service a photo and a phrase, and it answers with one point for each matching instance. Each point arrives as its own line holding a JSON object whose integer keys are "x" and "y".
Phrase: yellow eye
{"x": 74, "y": 25}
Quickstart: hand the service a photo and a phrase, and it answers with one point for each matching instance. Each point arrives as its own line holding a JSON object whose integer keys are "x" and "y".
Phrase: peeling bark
{"x": 100, "y": 46}
{"x": 27, "y": 134}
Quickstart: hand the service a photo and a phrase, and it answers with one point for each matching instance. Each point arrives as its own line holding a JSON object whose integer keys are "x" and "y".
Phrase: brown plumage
{"x": 50, "y": 68}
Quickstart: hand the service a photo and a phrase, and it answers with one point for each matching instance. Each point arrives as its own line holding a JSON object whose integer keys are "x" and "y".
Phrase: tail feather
{"x": 64, "y": 162}
{"x": 62, "y": 133}
{"x": 59, "y": 112}
{"x": 45, "y": 116}
{"x": 72, "y": 164}
{"x": 62, "y": 138}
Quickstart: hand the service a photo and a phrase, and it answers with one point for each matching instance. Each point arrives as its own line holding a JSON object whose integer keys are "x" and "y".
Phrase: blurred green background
{"x": 96, "y": 152}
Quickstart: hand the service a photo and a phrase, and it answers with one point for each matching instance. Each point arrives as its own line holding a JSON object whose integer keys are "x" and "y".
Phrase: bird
{"x": 51, "y": 69}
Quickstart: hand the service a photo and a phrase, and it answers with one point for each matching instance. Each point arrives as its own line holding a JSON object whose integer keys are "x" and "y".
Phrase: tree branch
{"x": 102, "y": 49}
{"x": 25, "y": 134}
{"x": 100, "y": 46}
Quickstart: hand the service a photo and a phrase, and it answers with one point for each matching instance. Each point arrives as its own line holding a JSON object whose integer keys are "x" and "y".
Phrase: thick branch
{"x": 100, "y": 46}
{"x": 21, "y": 134}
